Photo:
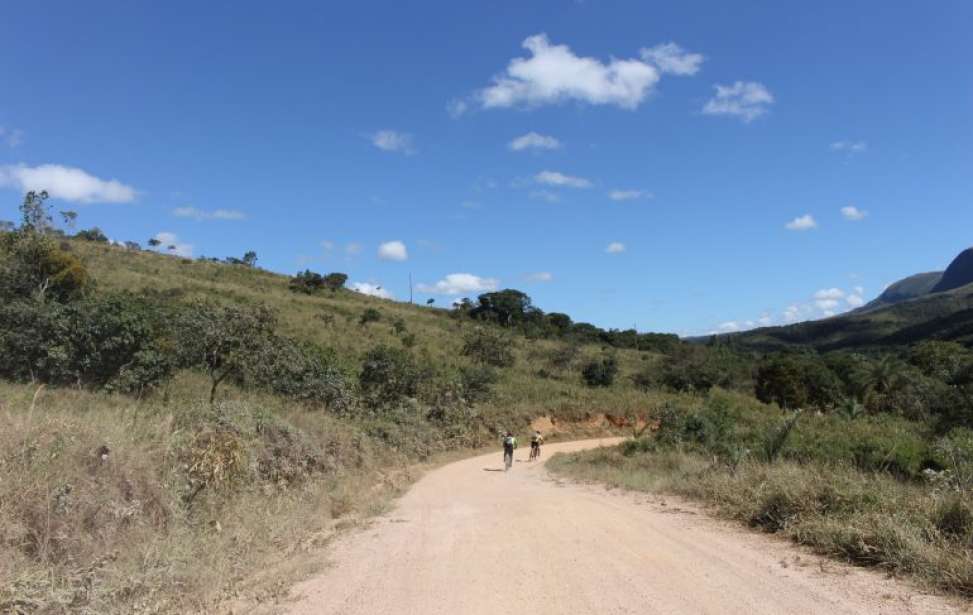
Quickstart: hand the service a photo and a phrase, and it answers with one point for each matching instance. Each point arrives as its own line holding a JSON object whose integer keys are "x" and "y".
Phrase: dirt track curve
{"x": 469, "y": 538}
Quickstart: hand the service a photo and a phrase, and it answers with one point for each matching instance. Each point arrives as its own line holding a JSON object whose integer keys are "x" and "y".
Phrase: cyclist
{"x": 535, "y": 445}
{"x": 509, "y": 444}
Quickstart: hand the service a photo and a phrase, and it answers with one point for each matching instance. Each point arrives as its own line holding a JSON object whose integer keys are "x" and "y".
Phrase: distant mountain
{"x": 934, "y": 305}
{"x": 942, "y": 316}
{"x": 907, "y": 288}
{"x": 959, "y": 273}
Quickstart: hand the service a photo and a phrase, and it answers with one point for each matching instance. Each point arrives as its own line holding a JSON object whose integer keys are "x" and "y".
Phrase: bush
{"x": 600, "y": 373}
{"x": 33, "y": 266}
{"x": 488, "y": 347}
{"x": 954, "y": 519}
{"x": 477, "y": 382}
{"x": 93, "y": 234}
{"x": 369, "y": 315}
{"x": 307, "y": 282}
{"x": 112, "y": 342}
{"x": 388, "y": 375}
{"x": 301, "y": 371}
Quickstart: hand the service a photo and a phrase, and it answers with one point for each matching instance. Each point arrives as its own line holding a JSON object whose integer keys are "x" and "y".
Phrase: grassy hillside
{"x": 165, "y": 503}
{"x": 946, "y": 316}
{"x": 903, "y": 290}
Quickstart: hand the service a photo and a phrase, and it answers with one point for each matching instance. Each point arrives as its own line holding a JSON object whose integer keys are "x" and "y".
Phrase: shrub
{"x": 477, "y": 382}
{"x": 33, "y": 266}
{"x": 369, "y": 315}
{"x": 388, "y": 375}
{"x": 954, "y": 519}
{"x": 488, "y": 347}
{"x": 301, "y": 371}
{"x": 307, "y": 282}
{"x": 335, "y": 281}
{"x": 600, "y": 373}
{"x": 93, "y": 234}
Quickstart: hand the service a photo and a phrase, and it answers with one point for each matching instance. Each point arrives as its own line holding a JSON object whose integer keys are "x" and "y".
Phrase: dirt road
{"x": 469, "y": 539}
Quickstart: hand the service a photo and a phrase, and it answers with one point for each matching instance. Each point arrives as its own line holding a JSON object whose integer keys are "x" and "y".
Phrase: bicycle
{"x": 535, "y": 451}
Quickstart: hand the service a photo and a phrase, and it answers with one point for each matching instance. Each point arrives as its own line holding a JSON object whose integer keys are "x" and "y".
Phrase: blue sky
{"x": 681, "y": 167}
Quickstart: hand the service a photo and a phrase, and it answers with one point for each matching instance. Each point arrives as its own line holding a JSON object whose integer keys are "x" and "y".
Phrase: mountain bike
{"x": 535, "y": 451}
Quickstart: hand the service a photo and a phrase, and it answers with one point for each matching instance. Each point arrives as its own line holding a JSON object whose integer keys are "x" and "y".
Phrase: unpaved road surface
{"x": 470, "y": 539}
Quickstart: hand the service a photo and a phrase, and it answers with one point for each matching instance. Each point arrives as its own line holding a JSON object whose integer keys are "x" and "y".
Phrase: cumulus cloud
{"x": 533, "y": 140}
{"x": 802, "y": 223}
{"x": 852, "y": 147}
{"x": 456, "y": 107}
{"x": 554, "y": 178}
{"x": 372, "y": 290}
{"x": 392, "y": 141}
{"x": 68, "y": 183}
{"x": 671, "y": 58}
{"x": 615, "y": 247}
{"x": 459, "y": 284}
{"x": 216, "y": 214}
{"x": 746, "y": 100}
{"x": 540, "y": 276}
{"x": 393, "y": 251}
{"x": 12, "y": 137}
{"x": 554, "y": 74}
{"x": 628, "y": 195}
{"x": 170, "y": 243}
{"x": 850, "y": 212}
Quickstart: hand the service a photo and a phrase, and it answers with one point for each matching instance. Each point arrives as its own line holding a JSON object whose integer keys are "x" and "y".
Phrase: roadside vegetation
{"x": 173, "y": 426}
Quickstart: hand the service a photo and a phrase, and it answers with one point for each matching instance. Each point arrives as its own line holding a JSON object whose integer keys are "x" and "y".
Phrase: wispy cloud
{"x": 615, "y": 247}
{"x": 851, "y": 147}
{"x": 393, "y": 141}
{"x": 802, "y": 223}
{"x": 554, "y": 178}
{"x": 68, "y": 183}
{"x": 823, "y": 303}
{"x": 671, "y": 58}
{"x": 746, "y": 100}
{"x": 12, "y": 137}
{"x": 545, "y": 195}
{"x": 628, "y": 195}
{"x": 460, "y": 284}
{"x": 533, "y": 140}
{"x": 540, "y": 276}
{"x": 850, "y": 212}
{"x": 216, "y": 214}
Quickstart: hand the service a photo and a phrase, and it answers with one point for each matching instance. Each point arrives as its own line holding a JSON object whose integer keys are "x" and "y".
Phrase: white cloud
{"x": 802, "y": 223}
{"x": 545, "y": 195}
{"x": 353, "y": 248}
{"x": 372, "y": 290}
{"x": 392, "y": 141}
{"x": 747, "y": 100}
{"x": 11, "y": 136}
{"x": 553, "y": 178}
{"x": 535, "y": 141}
{"x": 170, "y": 243}
{"x": 200, "y": 214}
{"x": 628, "y": 195}
{"x": 730, "y": 326}
{"x": 615, "y": 247}
{"x": 850, "y": 212}
{"x": 554, "y": 74}
{"x": 456, "y": 107}
{"x": 855, "y": 300}
{"x": 852, "y": 147}
{"x": 671, "y": 58}
{"x": 327, "y": 245}
{"x": 68, "y": 183}
{"x": 540, "y": 276}
{"x": 393, "y": 251}
{"x": 829, "y": 293}
{"x": 459, "y": 284}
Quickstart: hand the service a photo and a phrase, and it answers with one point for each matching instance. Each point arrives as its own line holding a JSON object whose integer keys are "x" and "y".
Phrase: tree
{"x": 387, "y": 375}
{"x": 430, "y": 301}
{"x": 561, "y": 322}
{"x": 600, "y": 373}
{"x": 33, "y": 266}
{"x": 69, "y": 218}
{"x": 780, "y": 380}
{"x": 133, "y": 245}
{"x": 224, "y": 340}
{"x": 307, "y": 282}
{"x": 506, "y": 307}
{"x": 335, "y": 281}
{"x": 6, "y": 226}
{"x": 35, "y": 212}
{"x": 92, "y": 234}
{"x": 250, "y": 258}
{"x": 154, "y": 243}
